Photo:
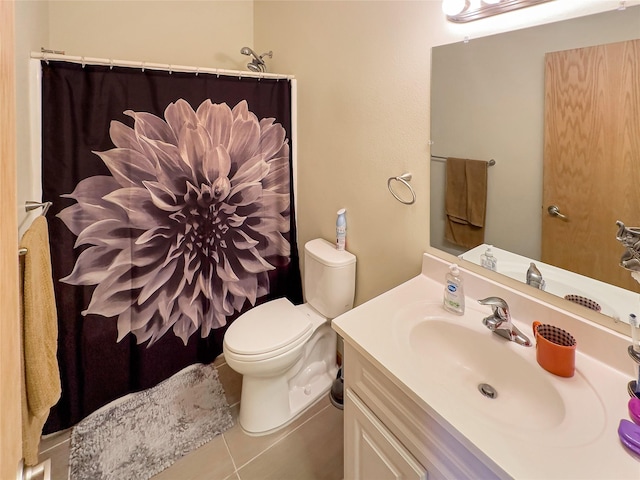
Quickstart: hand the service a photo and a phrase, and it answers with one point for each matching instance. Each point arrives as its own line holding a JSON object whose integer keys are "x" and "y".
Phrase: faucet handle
{"x": 499, "y": 306}
{"x": 501, "y": 323}
{"x": 494, "y": 301}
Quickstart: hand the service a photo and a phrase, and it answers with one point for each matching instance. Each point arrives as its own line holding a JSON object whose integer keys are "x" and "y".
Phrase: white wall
{"x": 185, "y": 32}
{"x": 363, "y": 110}
{"x": 32, "y": 32}
{"x": 363, "y": 70}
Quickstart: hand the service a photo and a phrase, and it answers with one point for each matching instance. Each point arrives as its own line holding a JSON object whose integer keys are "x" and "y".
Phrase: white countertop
{"x": 582, "y": 451}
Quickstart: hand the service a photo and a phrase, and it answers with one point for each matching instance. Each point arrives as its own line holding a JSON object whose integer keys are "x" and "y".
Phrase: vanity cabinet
{"x": 372, "y": 450}
{"x": 412, "y": 409}
{"x": 388, "y": 435}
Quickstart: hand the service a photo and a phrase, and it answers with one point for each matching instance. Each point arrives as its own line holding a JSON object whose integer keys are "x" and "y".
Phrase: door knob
{"x": 554, "y": 211}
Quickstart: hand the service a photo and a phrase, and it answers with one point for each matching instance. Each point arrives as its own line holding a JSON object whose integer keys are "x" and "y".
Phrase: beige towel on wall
{"x": 40, "y": 338}
{"x": 465, "y": 201}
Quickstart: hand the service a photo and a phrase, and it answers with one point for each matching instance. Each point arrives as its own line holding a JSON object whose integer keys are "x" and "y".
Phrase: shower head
{"x": 248, "y": 51}
{"x": 257, "y": 64}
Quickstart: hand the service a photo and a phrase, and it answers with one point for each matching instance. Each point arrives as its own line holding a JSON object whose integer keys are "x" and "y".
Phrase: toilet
{"x": 287, "y": 353}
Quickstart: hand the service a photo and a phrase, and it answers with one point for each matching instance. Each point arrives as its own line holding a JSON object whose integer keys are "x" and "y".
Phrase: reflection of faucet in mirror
{"x": 534, "y": 277}
{"x": 500, "y": 322}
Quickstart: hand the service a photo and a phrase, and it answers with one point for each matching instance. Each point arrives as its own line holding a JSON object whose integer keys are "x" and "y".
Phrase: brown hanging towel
{"x": 465, "y": 201}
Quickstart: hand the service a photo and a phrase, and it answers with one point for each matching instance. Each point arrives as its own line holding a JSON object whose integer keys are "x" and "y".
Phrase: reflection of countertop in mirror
{"x": 566, "y": 427}
{"x": 615, "y": 302}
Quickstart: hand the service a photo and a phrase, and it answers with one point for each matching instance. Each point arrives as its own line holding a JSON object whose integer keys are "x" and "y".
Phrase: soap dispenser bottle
{"x": 488, "y": 261}
{"x": 453, "y": 291}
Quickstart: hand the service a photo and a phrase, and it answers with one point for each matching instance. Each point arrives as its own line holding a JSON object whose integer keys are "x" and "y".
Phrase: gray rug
{"x": 143, "y": 433}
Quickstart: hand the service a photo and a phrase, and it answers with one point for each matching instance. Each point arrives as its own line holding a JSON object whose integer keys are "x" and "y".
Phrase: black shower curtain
{"x": 172, "y": 214}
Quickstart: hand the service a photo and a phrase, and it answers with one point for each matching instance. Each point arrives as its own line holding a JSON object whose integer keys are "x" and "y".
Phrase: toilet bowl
{"x": 287, "y": 353}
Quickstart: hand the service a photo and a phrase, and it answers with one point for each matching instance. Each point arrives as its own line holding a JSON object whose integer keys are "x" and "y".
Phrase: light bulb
{"x": 454, "y": 7}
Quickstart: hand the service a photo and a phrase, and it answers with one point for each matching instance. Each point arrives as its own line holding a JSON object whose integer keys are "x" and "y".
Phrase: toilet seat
{"x": 268, "y": 330}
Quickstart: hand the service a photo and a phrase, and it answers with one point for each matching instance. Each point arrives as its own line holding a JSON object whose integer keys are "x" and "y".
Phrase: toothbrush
{"x": 635, "y": 326}
{"x": 635, "y": 345}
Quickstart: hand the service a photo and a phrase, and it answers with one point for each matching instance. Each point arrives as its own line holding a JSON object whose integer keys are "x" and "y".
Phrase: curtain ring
{"x": 404, "y": 179}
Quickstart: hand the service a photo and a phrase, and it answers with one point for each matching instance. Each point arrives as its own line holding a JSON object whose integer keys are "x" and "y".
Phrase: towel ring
{"x": 404, "y": 179}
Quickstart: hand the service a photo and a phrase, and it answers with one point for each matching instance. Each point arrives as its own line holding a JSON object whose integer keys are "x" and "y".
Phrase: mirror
{"x": 487, "y": 102}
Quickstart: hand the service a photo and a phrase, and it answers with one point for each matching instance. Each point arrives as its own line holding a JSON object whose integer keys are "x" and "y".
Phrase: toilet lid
{"x": 267, "y": 327}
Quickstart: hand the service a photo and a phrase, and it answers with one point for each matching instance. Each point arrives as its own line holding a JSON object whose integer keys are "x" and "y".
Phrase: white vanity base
{"x": 387, "y": 435}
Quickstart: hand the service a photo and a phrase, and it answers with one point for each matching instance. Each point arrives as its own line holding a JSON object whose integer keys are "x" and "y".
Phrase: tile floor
{"x": 309, "y": 448}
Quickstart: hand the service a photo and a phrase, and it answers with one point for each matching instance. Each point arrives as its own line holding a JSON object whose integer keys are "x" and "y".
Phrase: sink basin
{"x": 467, "y": 359}
{"x": 460, "y": 357}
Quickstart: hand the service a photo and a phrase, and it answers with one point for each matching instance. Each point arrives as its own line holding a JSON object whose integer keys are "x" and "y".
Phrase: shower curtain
{"x": 172, "y": 214}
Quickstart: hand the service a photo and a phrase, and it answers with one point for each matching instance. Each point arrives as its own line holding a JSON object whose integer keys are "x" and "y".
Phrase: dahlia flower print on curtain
{"x": 173, "y": 214}
{"x": 180, "y": 234}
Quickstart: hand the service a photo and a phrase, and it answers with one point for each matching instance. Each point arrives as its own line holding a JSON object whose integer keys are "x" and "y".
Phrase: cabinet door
{"x": 371, "y": 452}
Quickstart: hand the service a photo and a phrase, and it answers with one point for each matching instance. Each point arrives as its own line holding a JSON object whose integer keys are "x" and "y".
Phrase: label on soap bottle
{"x": 341, "y": 230}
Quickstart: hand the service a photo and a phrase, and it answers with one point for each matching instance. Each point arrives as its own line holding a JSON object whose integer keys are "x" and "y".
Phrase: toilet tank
{"x": 329, "y": 278}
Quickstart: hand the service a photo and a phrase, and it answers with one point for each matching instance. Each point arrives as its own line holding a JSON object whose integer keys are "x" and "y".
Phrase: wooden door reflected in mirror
{"x": 591, "y": 158}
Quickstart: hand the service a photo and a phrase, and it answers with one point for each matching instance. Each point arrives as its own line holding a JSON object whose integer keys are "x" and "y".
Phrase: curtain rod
{"x": 108, "y": 62}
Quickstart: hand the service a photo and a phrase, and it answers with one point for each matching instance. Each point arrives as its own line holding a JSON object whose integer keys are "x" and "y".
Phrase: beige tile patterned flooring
{"x": 309, "y": 448}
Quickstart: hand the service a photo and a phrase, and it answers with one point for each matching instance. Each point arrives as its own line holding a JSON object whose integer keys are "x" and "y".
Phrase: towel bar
{"x": 29, "y": 205}
{"x": 438, "y": 158}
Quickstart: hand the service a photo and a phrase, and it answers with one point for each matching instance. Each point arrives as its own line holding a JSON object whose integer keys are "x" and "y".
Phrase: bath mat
{"x": 143, "y": 433}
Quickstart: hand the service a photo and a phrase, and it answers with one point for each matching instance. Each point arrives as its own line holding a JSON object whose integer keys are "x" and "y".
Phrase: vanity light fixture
{"x": 461, "y": 11}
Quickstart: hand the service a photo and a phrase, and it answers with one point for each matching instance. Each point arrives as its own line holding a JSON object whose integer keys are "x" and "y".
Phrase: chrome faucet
{"x": 534, "y": 277}
{"x": 500, "y": 322}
